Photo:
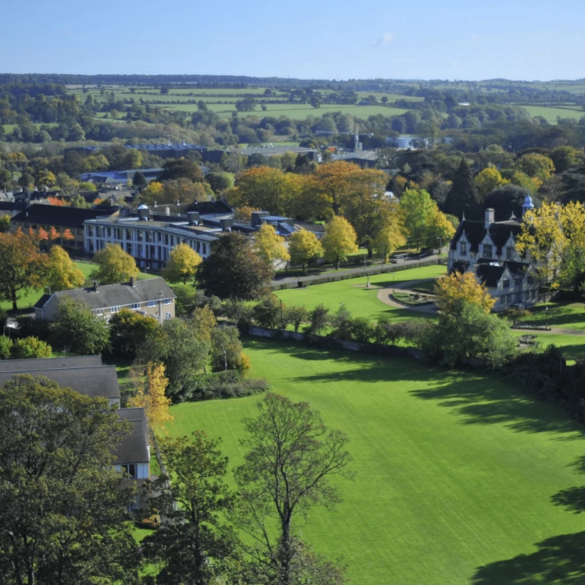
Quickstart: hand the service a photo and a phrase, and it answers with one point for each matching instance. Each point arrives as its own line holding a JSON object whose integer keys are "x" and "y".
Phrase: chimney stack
{"x": 132, "y": 281}
{"x": 95, "y": 285}
{"x": 489, "y": 218}
{"x": 167, "y": 211}
{"x": 193, "y": 217}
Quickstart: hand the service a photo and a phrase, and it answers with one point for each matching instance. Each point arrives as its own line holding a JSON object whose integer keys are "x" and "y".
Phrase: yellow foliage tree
{"x": 204, "y": 322}
{"x": 151, "y": 396}
{"x": 454, "y": 288}
{"x": 114, "y": 265}
{"x": 63, "y": 274}
{"x": 440, "y": 228}
{"x": 554, "y": 237}
{"x": 304, "y": 247}
{"x": 153, "y": 192}
{"x": 270, "y": 246}
{"x": 488, "y": 180}
{"x": 182, "y": 264}
{"x": 339, "y": 240}
{"x": 391, "y": 235}
{"x": 536, "y": 165}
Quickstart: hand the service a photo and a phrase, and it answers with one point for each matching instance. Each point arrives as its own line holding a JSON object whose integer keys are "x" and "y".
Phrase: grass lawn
{"x": 361, "y": 302}
{"x": 551, "y": 114}
{"x": 28, "y": 299}
{"x": 459, "y": 477}
{"x": 563, "y": 316}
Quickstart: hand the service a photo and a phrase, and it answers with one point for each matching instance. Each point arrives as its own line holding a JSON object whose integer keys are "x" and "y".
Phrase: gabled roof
{"x": 31, "y": 365}
{"x": 489, "y": 273}
{"x": 98, "y": 381}
{"x": 134, "y": 447}
{"x": 116, "y": 295}
{"x": 210, "y": 207}
{"x": 475, "y": 232}
{"x": 68, "y": 217}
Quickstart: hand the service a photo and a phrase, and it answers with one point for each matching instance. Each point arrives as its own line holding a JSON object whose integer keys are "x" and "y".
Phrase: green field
{"x": 361, "y": 302}
{"x": 456, "y": 474}
{"x": 551, "y": 114}
{"x": 28, "y": 299}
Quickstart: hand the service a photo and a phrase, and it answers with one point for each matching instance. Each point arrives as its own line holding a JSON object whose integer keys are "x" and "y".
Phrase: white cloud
{"x": 385, "y": 39}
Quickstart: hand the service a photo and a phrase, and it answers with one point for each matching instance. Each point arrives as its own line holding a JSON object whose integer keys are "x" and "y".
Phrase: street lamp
{"x": 546, "y": 318}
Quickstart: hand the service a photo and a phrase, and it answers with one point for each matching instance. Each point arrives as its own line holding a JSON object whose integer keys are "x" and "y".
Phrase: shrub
{"x": 31, "y": 347}
{"x": 5, "y": 347}
{"x": 269, "y": 312}
{"x": 318, "y": 319}
{"x": 296, "y": 316}
{"x": 226, "y": 384}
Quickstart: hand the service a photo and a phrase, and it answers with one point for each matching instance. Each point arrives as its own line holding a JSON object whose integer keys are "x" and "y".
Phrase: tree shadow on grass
{"x": 559, "y": 561}
{"x": 491, "y": 401}
{"x": 475, "y": 399}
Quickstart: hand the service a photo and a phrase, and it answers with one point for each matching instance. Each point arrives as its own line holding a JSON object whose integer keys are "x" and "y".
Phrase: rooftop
{"x": 67, "y": 217}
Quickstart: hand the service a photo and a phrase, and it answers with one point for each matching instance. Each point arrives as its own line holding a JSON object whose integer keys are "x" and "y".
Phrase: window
{"x": 135, "y": 306}
{"x": 115, "y": 310}
{"x": 151, "y": 304}
{"x": 130, "y": 469}
{"x": 517, "y": 280}
{"x": 99, "y": 312}
{"x": 463, "y": 248}
{"x": 487, "y": 250}
{"x": 510, "y": 253}
{"x": 530, "y": 280}
{"x": 168, "y": 301}
{"x": 167, "y": 316}
{"x": 506, "y": 283}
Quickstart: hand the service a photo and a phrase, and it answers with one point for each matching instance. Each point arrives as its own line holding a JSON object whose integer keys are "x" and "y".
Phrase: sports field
{"x": 460, "y": 479}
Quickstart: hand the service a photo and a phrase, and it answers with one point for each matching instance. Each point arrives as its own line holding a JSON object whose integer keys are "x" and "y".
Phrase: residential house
{"x": 152, "y": 297}
{"x": 87, "y": 375}
{"x": 488, "y": 250}
{"x": 39, "y": 216}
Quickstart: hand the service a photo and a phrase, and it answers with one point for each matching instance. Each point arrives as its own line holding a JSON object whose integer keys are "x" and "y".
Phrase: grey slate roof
{"x": 68, "y": 217}
{"x": 116, "y": 295}
{"x": 95, "y": 381}
{"x": 134, "y": 447}
{"x": 32, "y": 365}
{"x": 475, "y": 232}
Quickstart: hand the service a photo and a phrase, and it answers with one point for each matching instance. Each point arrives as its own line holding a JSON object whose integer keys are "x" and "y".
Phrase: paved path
{"x": 372, "y": 269}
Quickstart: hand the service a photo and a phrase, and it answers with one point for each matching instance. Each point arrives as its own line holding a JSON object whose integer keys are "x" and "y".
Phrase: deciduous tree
{"x": 194, "y": 544}
{"x": 233, "y": 269}
{"x": 270, "y": 246}
{"x": 554, "y": 237}
{"x": 339, "y": 240}
{"x": 129, "y": 330}
{"x": 488, "y": 180}
{"x": 182, "y": 265}
{"x": 391, "y": 234}
{"x": 290, "y": 460}
{"x": 63, "y": 274}
{"x": 304, "y": 247}
{"x": 64, "y": 514}
{"x": 114, "y": 265}
{"x": 31, "y": 347}
{"x": 454, "y": 288}
{"x": 76, "y": 326}
{"x": 22, "y": 265}
{"x": 151, "y": 396}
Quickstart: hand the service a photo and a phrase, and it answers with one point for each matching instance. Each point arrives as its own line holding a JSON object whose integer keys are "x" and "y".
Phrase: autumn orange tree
{"x": 455, "y": 288}
{"x": 22, "y": 265}
{"x": 151, "y": 396}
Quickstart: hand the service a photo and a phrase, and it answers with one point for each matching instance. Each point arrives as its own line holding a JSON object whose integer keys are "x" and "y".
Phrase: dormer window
{"x": 487, "y": 251}
{"x": 510, "y": 251}
{"x": 463, "y": 248}
{"x": 506, "y": 283}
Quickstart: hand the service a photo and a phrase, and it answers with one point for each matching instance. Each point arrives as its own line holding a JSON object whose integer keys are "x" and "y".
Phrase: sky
{"x": 308, "y": 39}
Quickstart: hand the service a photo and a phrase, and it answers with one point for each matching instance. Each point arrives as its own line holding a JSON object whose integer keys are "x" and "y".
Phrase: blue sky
{"x": 416, "y": 39}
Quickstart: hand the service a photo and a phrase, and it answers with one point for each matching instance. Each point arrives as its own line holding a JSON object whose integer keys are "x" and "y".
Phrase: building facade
{"x": 153, "y": 297}
{"x": 488, "y": 250}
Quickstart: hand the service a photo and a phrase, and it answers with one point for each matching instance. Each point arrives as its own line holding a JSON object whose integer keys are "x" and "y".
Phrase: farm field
{"x": 361, "y": 302}
{"x": 551, "y": 114}
{"x": 459, "y": 478}
{"x": 27, "y": 300}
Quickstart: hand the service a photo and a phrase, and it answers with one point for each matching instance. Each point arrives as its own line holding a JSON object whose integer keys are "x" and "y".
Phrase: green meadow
{"x": 460, "y": 479}
{"x": 551, "y": 114}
